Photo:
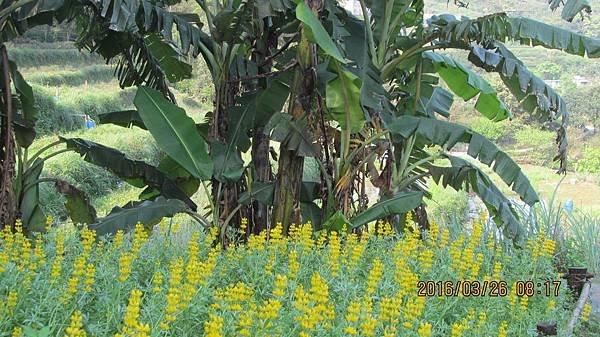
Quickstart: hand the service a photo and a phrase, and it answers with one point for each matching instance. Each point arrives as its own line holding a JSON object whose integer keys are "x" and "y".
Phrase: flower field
{"x": 176, "y": 282}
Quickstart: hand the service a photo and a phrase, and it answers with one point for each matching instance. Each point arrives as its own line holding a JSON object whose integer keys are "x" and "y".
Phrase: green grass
{"x": 71, "y": 77}
{"x": 36, "y": 57}
{"x": 61, "y": 108}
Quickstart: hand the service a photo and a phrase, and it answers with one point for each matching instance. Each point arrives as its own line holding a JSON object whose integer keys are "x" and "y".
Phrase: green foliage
{"x": 584, "y": 241}
{"x": 36, "y": 57}
{"x": 94, "y": 181}
{"x": 148, "y": 212}
{"x": 489, "y": 129}
{"x": 447, "y": 203}
{"x": 590, "y": 161}
{"x": 89, "y": 74}
{"x": 536, "y": 144}
{"x": 65, "y": 111}
{"x": 549, "y": 70}
{"x": 175, "y": 132}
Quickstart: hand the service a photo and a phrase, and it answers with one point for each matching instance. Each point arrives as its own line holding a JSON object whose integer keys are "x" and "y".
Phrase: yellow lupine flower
{"x": 368, "y": 325}
{"x": 457, "y": 330}
{"x": 585, "y": 313}
{"x": 374, "y": 276}
{"x": 243, "y": 224}
{"x": 89, "y": 277}
{"x": 214, "y": 326}
{"x": 445, "y": 237}
{"x": 125, "y": 263}
{"x": 502, "y": 329}
{"x": 11, "y": 300}
{"x": 157, "y": 282}
{"x": 424, "y": 329}
{"x": 551, "y": 305}
{"x": 49, "y": 221}
{"x": 118, "y": 240}
{"x": 17, "y": 332}
{"x": 269, "y": 310}
{"x": 3, "y": 261}
{"x": 131, "y": 325}
{"x": 140, "y": 236}
{"x": 426, "y": 259}
{"x": 293, "y": 264}
{"x": 334, "y": 251}
{"x": 246, "y": 322}
{"x": 75, "y": 329}
{"x": 280, "y": 285}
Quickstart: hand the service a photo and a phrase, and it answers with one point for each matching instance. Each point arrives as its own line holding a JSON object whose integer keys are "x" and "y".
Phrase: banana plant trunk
{"x": 260, "y": 141}
{"x": 224, "y": 194}
{"x": 8, "y": 204}
{"x": 290, "y": 171}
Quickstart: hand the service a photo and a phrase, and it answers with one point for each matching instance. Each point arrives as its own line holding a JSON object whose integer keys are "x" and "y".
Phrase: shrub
{"x": 590, "y": 161}
{"x": 492, "y": 130}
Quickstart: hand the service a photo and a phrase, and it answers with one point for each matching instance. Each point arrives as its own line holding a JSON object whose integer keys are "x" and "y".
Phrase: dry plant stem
{"x": 585, "y": 293}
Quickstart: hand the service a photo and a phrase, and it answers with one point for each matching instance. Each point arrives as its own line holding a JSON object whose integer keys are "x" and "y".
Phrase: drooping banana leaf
{"x": 135, "y": 172}
{"x": 447, "y": 135}
{"x": 182, "y": 178}
{"x": 440, "y": 102}
{"x": 532, "y": 92}
{"x": 571, "y": 8}
{"x": 311, "y": 212}
{"x": 263, "y": 192}
{"x": 146, "y": 212}
{"x": 398, "y": 204}
{"x": 467, "y": 84}
{"x": 175, "y": 70}
{"x": 293, "y": 134}
{"x": 25, "y": 112}
{"x": 343, "y": 100}
{"x": 532, "y": 32}
{"x": 124, "y": 118}
{"x": 231, "y": 23}
{"x": 461, "y": 173}
{"x": 174, "y": 132}
{"x": 228, "y": 162}
{"x": 32, "y": 216}
{"x": 336, "y": 222}
{"x": 78, "y": 205}
{"x": 373, "y": 95}
{"x": 500, "y": 27}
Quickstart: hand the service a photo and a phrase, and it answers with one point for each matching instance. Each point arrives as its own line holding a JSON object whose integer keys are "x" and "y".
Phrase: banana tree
{"x": 404, "y": 51}
{"x": 144, "y": 54}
